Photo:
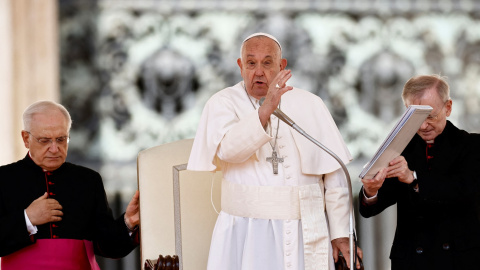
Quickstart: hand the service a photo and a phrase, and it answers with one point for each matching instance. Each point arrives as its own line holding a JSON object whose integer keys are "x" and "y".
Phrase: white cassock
{"x": 273, "y": 221}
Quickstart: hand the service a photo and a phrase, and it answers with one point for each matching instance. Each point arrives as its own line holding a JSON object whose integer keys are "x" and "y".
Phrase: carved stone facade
{"x": 136, "y": 74}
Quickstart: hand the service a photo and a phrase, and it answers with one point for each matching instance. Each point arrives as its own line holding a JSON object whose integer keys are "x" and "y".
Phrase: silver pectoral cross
{"x": 274, "y": 160}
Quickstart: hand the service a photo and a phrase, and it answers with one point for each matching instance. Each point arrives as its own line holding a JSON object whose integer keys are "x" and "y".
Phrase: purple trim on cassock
{"x": 53, "y": 254}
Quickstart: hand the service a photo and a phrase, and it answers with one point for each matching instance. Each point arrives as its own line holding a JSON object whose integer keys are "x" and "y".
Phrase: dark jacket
{"x": 437, "y": 227}
{"x": 80, "y": 191}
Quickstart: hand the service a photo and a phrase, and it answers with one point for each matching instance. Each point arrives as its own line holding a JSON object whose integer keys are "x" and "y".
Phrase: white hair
{"x": 41, "y": 107}
{"x": 263, "y": 35}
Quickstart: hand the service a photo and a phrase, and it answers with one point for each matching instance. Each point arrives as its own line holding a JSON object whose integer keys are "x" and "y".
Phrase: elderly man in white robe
{"x": 284, "y": 201}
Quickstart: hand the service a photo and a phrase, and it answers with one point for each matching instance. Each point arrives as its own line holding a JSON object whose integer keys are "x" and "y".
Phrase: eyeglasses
{"x": 47, "y": 141}
{"x": 432, "y": 118}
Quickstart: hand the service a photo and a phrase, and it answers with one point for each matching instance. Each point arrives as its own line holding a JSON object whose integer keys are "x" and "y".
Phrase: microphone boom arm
{"x": 278, "y": 113}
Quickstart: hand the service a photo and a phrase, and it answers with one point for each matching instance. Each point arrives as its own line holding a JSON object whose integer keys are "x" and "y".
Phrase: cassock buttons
{"x": 55, "y": 236}
{"x": 419, "y": 250}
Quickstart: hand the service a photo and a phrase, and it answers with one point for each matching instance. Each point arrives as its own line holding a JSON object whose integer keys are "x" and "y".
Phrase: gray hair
{"x": 41, "y": 107}
{"x": 260, "y": 34}
{"x": 416, "y": 86}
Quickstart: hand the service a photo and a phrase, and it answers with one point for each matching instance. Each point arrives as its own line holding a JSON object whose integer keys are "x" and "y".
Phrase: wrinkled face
{"x": 260, "y": 63}
{"x": 47, "y": 140}
{"x": 437, "y": 120}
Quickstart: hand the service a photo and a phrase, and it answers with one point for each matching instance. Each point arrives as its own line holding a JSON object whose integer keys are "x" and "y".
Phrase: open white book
{"x": 397, "y": 140}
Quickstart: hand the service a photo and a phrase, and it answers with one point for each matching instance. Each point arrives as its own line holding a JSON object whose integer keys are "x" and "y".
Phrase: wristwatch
{"x": 414, "y": 182}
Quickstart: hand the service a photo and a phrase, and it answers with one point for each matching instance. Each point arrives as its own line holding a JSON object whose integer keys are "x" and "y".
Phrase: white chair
{"x": 176, "y": 215}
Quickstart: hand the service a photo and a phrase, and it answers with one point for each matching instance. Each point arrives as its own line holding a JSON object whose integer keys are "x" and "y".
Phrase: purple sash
{"x": 53, "y": 254}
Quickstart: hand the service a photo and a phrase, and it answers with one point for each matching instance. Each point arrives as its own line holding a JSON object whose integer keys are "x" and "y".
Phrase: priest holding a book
{"x": 435, "y": 183}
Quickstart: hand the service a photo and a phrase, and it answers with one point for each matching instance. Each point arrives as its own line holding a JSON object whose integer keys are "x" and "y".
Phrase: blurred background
{"x": 136, "y": 74}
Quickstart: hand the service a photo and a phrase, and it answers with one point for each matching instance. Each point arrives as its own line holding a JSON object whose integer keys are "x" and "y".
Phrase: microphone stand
{"x": 289, "y": 122}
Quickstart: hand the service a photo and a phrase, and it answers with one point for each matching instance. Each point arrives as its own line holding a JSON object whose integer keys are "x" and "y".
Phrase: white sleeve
{"x": 243, "y": 139}
{"x": 224, "y": 135}
{"x": 369, "y": 200}
{"x": 31, "y": 229}
{"x": 337, "y": 204}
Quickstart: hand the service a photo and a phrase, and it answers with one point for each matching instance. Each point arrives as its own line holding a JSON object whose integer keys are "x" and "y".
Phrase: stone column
{"x": 29, "y": 65}
{"x": 6, "y": 78}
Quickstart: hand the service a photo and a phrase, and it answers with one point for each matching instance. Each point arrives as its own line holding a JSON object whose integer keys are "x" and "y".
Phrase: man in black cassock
{"x": 435, "y": 185}
{"x": 54, "y": 214}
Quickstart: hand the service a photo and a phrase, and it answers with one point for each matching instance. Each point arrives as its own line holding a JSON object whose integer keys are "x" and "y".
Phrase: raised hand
{"x": 276, "y": 89}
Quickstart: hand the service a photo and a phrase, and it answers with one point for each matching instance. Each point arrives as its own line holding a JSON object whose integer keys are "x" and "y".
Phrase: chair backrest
{"x": 176, "y": 214}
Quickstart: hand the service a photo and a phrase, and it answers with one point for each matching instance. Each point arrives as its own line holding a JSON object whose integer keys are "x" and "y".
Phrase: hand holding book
{"x": 397, "y": 140}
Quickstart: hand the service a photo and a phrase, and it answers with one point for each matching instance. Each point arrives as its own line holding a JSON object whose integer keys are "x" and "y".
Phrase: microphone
{"x": 352, "y": 239}
{"x": 281, "y": 115}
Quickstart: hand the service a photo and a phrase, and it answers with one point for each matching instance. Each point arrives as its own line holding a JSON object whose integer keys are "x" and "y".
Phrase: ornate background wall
{"x": 136, "y": 74}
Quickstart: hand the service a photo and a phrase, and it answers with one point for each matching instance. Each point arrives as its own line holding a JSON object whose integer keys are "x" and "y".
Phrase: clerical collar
{"x": 30, "y": 156}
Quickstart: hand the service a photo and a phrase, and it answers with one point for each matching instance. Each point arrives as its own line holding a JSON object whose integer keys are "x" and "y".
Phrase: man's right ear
{"x": 25, "y": 137}
{"x": 239, "y": 63}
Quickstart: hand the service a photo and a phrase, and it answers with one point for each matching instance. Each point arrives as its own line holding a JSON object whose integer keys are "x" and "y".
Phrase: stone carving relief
{"x": 136, "y": 76}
